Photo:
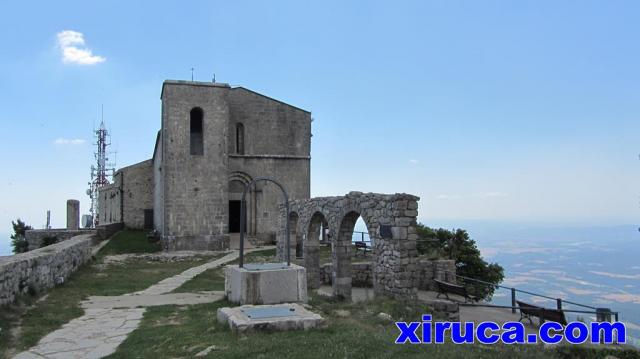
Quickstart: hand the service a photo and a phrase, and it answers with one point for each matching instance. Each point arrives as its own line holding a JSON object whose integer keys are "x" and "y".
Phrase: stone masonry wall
{"x": 130, "y": 194}
{"x": 361, "y": 273}
{"x": 34, "y": 237}
{"x": 390, "y": 220}
{"x": 43, "y": 268}
{"x": 196, "y": 205}
{"x": 137, "y": 188}
{"x": 158, "y": 187}
{"x": 277, "y": 142}
{"x": 443, "y": 270}
{"x": 110, "y": 203}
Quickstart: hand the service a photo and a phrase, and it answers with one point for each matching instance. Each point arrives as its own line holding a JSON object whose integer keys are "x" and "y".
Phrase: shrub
{"x": 457, "y": 245}
{"x": 18, "y": 240}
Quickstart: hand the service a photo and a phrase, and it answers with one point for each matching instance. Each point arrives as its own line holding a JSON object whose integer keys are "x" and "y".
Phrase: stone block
{"x": 73, "y": 214}
{"x": 266, "y": 286}
{"x": 283, "y": 317}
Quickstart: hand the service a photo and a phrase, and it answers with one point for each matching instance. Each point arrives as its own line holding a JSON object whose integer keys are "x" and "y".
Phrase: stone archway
{"x": 294, "y": 235}
{"x": 312, "y": 249}
{"x": 341, "y": 256}
{"x": 236, "y": 183}
{"x": 391, "y": 221}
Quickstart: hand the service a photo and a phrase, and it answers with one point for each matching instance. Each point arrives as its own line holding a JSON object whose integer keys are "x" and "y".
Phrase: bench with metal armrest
{"x": 445, "y": 288}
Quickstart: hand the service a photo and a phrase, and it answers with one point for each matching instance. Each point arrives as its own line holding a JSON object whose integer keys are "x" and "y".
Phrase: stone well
{"x": 265, "y": 283}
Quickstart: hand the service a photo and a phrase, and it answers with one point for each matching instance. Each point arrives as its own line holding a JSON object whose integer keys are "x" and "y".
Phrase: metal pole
{"x": 559, "y": 303}
{"x": 243, "y": 208}
{"x": 287, "y": 227}
{"x": 513, "y": 300}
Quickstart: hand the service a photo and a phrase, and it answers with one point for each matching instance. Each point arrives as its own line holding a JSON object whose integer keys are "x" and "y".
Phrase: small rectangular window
{"x": 196, "y": 140}
{"x": 240, "y": 139}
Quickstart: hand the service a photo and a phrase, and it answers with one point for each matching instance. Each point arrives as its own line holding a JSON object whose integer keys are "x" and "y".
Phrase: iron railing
{"x": 514, "y": 306}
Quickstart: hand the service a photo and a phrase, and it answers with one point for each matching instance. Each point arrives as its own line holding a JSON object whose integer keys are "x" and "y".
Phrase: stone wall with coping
{"x": 105, "y": 231}
{"x": 35, "y": 236}
{"x": 43, "y": 268}
{"x": 442, "y": 269}
{"x": 361, "y": 273}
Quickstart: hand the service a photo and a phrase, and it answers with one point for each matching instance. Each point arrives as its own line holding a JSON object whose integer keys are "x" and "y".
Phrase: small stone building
{"x": 213, "y": 140}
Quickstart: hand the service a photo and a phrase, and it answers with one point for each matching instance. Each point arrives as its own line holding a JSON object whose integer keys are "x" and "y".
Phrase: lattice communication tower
{"x": 102, "y": 171}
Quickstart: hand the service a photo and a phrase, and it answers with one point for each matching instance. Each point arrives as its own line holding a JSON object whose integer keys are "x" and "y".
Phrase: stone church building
{"x": 213, "y": 140}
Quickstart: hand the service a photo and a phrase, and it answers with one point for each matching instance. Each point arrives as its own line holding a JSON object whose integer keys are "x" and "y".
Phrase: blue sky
{"x": 500, "y": 111}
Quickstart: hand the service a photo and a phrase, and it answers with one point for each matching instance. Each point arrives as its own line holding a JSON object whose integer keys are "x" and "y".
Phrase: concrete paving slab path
{"x": 107, "y": 321}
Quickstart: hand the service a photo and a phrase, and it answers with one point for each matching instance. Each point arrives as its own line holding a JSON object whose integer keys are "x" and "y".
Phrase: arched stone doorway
{"x": 390, "y": 220}
{"x": 237, "y": 182}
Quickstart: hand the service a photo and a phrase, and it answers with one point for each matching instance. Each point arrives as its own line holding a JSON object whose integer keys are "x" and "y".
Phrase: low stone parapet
{"x": 35, "y": 236}
{"x": 107, "y": 230}
{"x": 38, "y": 270}
{"x": 362, "y": 273}
{"x": 205, "y": 242}
{"x": 440, "y": 269}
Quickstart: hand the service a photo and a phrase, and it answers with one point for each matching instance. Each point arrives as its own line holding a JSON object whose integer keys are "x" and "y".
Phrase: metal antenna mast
{"x": 102, "y": 172}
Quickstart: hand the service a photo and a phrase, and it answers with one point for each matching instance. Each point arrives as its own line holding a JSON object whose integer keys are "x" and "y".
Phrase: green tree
{"x": 457, "y": 245}
{"x": 18, "y": 239}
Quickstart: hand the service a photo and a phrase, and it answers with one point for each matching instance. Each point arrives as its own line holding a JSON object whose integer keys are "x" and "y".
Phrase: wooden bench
{"x": 445, "y": 288}
{"x": 529, "y": 310}
{"x": 362, "y": 246}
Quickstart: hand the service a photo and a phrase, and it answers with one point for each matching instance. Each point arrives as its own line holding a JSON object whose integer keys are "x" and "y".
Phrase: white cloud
{"x": 448, "y": 196}
{"x": 492, "y": 194}
{"x": 616, "y": 275}
{"x": 74, "y": 51}
{"x": 412, "y": 161}
{"x": 69, "y": 141}
{"x": 69, "y": 38}
{"x": 622, "y": 297}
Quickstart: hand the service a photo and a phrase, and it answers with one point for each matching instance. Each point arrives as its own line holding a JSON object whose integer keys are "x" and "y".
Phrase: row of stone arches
{"x": 390, "y": 221}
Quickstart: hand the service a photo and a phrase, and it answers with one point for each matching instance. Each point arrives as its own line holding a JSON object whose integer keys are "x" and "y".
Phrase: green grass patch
{"x": 183, "y": 331}
{"x": 213, "y": 279}
{"x": 209, "y": 280}
{"x": 37, "y": 317}
{"x": 130, "y": 241}
{"x": 174, "y": 331}
{"x": 261, "y": 256}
